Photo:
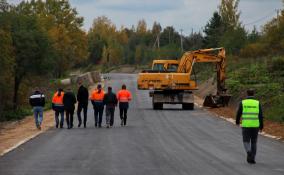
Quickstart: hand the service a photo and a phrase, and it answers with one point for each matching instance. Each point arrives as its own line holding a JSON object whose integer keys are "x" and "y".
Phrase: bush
{"x": 273, "y": 109}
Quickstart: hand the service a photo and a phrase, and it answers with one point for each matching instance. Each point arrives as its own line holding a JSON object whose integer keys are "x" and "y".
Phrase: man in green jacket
{"x": 250, "y": 116}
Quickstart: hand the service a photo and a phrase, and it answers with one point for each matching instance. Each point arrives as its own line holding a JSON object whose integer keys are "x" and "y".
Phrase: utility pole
{"x": 181, "y": 43}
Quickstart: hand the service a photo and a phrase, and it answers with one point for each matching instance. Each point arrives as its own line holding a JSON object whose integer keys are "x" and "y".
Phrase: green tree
{"x": 100, "y": 36}
{"x": 230, "y": 14}
{"x": 6, "y": 66}
{"x": 31, "y": 48}
{"x": 141, "y": 27}
{"x": 235, "y": 36}
{"x": 63, "y": 26}
{"x": 214, "y": 30}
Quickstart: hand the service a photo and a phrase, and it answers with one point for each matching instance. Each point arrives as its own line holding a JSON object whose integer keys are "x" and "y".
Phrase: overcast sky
{"x": 182, "y": 14}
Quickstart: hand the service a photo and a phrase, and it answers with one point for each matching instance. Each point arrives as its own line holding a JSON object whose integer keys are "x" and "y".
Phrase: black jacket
{"x": 83, "y": 95}
{"x": 37, "y": 99}
{"x": 110, "y": 99}
{"x": 69, "y": 101}
{"x": 240, "y": 112}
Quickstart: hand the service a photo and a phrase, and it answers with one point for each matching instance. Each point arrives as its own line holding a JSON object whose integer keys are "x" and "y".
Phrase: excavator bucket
{"x": 216, "y": 101}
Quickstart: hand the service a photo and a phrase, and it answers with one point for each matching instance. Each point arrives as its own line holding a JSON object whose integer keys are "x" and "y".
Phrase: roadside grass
{"x": 264, "y": 75}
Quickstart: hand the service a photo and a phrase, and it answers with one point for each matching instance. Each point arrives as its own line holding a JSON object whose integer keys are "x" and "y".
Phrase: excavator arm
{"x": 167, "y": 83}
{"x": 215, "y": 55}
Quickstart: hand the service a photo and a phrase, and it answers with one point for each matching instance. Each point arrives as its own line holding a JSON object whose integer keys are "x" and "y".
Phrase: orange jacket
{"x": 124, "y": 95}
{"x": 96, "y": 96}
{"x": 58, "y": 100}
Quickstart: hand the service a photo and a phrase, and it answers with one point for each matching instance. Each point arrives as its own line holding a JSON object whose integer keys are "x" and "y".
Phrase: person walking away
{"x": 250, "y": 116}
{"x": 124, "y": 97}
{"x": 83, "y": 99}
{"x": 98, "y": 105}
{"x": 37, "y": 101}
{"x": 110, "y": 100}
{"x": 69, "y": 101}
{"x": 58, "y": 107}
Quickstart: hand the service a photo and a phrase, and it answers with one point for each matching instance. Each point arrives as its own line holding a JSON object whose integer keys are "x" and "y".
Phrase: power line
{"x": 262, "y": 18}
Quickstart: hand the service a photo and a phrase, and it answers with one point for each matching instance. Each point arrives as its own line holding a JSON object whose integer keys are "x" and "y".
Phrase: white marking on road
{"x": 20, "y": 143}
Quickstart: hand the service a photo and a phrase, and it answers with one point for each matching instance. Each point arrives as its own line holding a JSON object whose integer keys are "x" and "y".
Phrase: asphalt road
{"x": 169, "y": 142}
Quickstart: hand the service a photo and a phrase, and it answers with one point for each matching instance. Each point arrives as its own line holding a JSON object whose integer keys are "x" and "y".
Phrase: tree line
{"x": 44, "y": 39}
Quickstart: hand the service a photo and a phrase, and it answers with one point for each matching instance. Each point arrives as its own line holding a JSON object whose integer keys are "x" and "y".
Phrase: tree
{"x": 63, "y": 26}
{"x": 235, "y": 36}
{"x": 4, "y": 6}
{"x": 141, "y": 27}
{"x": 194, "y": 41}
{"x": 100, "y": 36}
{"x": 6, "y": 66}
{"x": 253, "y": 36}
{"x": 31, "y": 49}
{"x": 214, "y": 30}
{"x": 234, "y": 40}
{"x": 230, "y": 14}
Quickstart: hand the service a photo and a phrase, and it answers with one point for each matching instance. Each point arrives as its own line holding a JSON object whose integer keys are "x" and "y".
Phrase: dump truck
{"x": 171, "y": 82}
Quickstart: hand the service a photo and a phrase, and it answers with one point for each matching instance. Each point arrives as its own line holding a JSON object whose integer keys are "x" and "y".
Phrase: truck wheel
{"x": 188, "y": 106}
{"x": 157, "y": 106}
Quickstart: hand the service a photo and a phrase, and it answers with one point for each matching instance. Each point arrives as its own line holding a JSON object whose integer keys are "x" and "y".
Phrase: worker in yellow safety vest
{"x": 250, "y": 116}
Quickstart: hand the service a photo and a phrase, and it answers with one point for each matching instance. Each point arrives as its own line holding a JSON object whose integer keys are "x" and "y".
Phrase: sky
{"x": 188, "y": 15}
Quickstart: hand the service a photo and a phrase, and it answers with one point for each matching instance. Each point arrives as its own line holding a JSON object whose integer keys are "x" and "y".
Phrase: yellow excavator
{"x": 170, "y": 82}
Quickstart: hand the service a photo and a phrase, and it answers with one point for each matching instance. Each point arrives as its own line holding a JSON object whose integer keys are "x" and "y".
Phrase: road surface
{"x": 169, "y": 142}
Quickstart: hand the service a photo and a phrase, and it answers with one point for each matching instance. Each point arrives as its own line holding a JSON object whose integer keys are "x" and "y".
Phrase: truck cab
{"x": 165, "y": 66}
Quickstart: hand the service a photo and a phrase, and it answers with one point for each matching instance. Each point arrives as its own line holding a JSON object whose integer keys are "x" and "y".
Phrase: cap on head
{"x": 250, "y": 92}
{"x": 123, "y": 86}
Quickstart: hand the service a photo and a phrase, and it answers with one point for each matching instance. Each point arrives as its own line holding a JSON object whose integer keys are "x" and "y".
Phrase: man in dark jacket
{"x": 251, "y": 117}
{"x": 83, "y": 100}
{"x": 110, "y": 100}
{"x": 37, "y": 101}
{"x": 69, "y": 101}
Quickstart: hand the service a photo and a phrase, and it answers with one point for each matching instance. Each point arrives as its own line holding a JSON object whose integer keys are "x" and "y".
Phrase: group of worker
{"x": 64, "y": 102}
{"x": 249, "y": 113}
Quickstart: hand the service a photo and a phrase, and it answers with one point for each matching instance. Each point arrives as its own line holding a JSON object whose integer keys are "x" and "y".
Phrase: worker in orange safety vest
{"x": 124, "y": 97}
{"x": 97, "y": 98}
{"x": 58, "y": 107}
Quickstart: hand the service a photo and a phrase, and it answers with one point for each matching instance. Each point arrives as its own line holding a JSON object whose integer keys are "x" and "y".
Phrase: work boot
{"x": 249, "y": 158}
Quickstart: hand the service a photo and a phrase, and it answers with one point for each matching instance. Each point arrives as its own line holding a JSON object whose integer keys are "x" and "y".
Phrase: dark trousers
{"x": 110, "y": 115}
{"x": 61, "y": 118}
{"x": 250, "y": 140}
{"x": 123, "y": 114}
{"x": 69, "y": 118}
{"x": 83, "y": 107}
{"x": 98, "y": 113}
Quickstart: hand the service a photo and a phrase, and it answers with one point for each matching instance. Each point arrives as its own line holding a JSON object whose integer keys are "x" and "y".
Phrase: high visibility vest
{"x": 58, "y": 100}
{"x": 96, "y": 96}
{"x": 124, "y": 96}
{"x": 250, "y": 113}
